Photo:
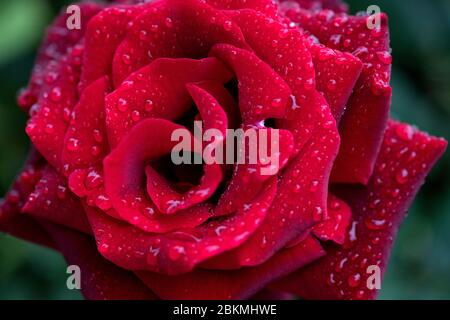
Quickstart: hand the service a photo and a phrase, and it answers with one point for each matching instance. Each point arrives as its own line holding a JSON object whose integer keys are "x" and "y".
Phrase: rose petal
{"x": 100, "y": 279}
{"x": 236, "y": 285}
{"x": 177, "y": 252}
{"x": 58, "y": 41}
{"x": 268, "y": 7}
{"x": 262, "y": 93}
{"x": 149, "y": 36}
{"x": 51, "y": 200}
{"x": 199, "y": 27}
{"x": 86, "y": 142}
{"x": 158, "y": 91}
{"x": 160, "y": 190}
{"x": 305, "y": 180}
{"x": 313, "y": 5}
{"x": 104, "y": 33}
{"x": 50, "y": 116}
{"x": 335, "y": 227}
{"x": 365, "y": 120}
{"x": 11, "y": 219}
{"x": 248, "y": 179}
{"x": 378, "y": 209}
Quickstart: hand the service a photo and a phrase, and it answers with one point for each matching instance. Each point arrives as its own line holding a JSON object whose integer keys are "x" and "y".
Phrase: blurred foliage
{"x": 420, "y": 263}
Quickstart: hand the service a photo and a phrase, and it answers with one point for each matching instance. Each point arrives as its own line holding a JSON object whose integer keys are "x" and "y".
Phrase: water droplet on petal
{"x": 56, "y": 94}
{"x": 385, "y": 57}
{"x": 354, "y": 280}
{"x": 402, "y": 176}
{"x": 122, "y": 105}
{"x": 72, "y": 144}
{"x": 374, "y": 224}
{"x": 176, "y": 252}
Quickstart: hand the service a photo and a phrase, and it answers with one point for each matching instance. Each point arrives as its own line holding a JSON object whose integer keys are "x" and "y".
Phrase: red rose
{"x": 105, "y": 99}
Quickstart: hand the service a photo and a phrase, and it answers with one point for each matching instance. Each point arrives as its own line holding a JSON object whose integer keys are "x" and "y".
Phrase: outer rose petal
{"x": 11, "y": 219}
{"x": 50, "y": 116}
{"x": 268, "y": 7}
{"x": 335, "y": 5}
{"x": 51, "y": 200}
{"x": 59, "y": 40}
{"x": 364, "y": 122}
{"x": 378, "y": 210}
{"x": 100, "y": 280}
{"x": 239, "y": 284}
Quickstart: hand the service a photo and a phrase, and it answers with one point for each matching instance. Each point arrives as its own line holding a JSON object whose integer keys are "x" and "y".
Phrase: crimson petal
{"x": 268, "y": 7}
{"x": 335, "y": 227}
{"x": 85, "y": 140}
{"x": 199, "y": 27}
{"x": 50, "y": 116}
{"x": 365, "y": 121}
{"x": 51, "y": 200}
{"x": 11, "y": 219}
{"x": 100, "y": 279}
{"x": 158, "y": 91}
{"x": 104, "y": 33}
{"x": 314, "y": 5}
{"x": 148, "y": 36}
{"x": 378, "y": 209}
{"x": 263, "y": 94}
{"x": 337, "y": 73}
{"x": 236, "y": 285}
{"x": 59, "y": 40}
{"x": 177, "y": 252}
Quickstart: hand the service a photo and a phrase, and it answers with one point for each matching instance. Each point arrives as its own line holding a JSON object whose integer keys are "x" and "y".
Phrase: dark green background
{"x": 420, "y": 265}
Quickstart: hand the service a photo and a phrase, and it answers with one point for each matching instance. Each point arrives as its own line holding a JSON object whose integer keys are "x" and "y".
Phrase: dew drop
{"x": 332, "y": 85}
{"x": 317, "y": 214}
{"x": 95, "y": 151}
{"x": 404, "y": 132}
{"x": 402, "y": 176}
{"x": 385, "y": 57}
{"x": 277, "y": 102}
{"x": 374, "y": 224}
{"x": 122, "y": 105}
{"x": 93, "y": 180}
{"x": 354, "y": 280}
{"x": 103, "y": 248}
{"x": 103, "y": 202}
{"x": 61, "y": 192}
{"x": 227, "y": 25}
{"x": 49, "y": 128}
{"x": 126, "y": 59}
{"x": 148, "y": 105}
{"x": 73, "y": 145}
{"x": 135, "y": 116}
{"x": 314, "y": 186}
{"x": 56, "y": 94}
{"x": 168, "y": 22}
{"x": 176, "y": 252}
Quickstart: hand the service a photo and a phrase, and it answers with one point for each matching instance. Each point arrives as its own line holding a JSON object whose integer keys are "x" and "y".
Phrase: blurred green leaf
{"x": 21, "y": 22}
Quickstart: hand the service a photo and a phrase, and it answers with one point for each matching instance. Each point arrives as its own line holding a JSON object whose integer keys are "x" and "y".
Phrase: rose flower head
{"x": 315, "y": 218}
